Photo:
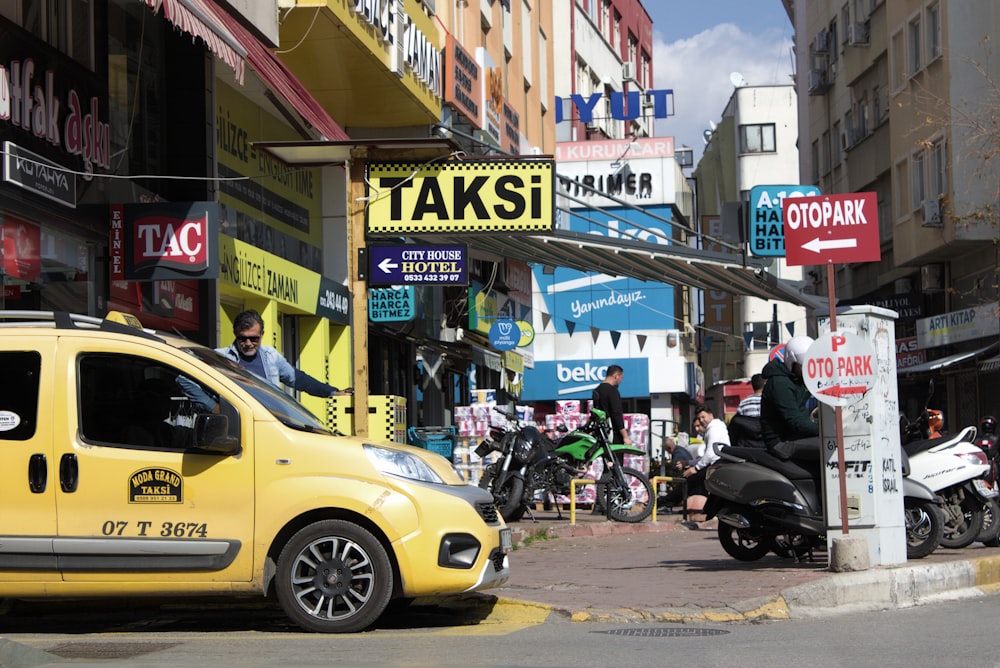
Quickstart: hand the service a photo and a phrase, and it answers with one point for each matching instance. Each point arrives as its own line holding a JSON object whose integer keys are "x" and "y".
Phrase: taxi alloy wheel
{"x": 333, "y": 577}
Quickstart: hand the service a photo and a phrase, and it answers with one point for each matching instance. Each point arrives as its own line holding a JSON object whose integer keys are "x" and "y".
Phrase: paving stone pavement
{"x": 671, "y": 570}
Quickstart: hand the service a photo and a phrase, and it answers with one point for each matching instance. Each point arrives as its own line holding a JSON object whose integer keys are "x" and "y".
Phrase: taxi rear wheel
{"x": 333, "y": 577}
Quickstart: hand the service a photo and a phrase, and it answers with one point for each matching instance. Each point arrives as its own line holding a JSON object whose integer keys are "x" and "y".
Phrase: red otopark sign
{"x": 833, "y": 229}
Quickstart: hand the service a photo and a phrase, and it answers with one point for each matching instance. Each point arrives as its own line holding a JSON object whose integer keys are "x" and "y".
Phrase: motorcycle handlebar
{"x": 509, "y": 416}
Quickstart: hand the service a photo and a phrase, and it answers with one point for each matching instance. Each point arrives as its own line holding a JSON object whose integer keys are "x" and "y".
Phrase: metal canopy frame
{"x": 677, "y": 264}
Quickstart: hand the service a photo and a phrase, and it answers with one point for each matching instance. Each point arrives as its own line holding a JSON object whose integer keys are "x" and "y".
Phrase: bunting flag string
{"x": 615, "y": 338}
{"x": 595, "y": 333}
{"x": 748, "y": 339}
{"x": 546, "y": 319}
{"x": 641, "y": 339}
{"x": 570, "y": 327}
{"x": 791, "y": 328}
{"x": 708, "y": 340}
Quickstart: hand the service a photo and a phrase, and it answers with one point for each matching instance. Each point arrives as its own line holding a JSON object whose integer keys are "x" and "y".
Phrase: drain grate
{"x": 107, "y": 650}
{"x": 664, "y": 632}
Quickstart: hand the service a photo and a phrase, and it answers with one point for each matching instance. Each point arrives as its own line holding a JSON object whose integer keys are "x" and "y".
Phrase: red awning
{"x": 228, "y": 39}
{"x": 194, "y": 18}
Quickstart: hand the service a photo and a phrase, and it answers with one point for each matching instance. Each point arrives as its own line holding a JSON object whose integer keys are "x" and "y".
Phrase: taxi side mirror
{"x": 211, "y": 433}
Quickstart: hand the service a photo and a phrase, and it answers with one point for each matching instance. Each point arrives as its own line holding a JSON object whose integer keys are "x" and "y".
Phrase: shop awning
{"x": 945, "y": 362}
{"x": 235, "y": 45}
{"x": 196, "y": 18}
{"x": 675, "y": 264}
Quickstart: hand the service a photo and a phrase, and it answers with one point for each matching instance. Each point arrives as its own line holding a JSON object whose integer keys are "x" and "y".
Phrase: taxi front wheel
{"x": 333, "y": 577}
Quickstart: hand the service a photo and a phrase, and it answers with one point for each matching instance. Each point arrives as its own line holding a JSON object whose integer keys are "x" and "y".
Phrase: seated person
{"x": 784, "y": 413}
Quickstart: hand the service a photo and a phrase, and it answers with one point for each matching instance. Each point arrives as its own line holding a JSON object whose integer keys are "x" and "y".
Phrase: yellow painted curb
{"x": 987, "y": 570}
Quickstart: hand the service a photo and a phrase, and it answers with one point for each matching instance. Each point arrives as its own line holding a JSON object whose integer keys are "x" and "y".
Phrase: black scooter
{"x": 771, "y": 500}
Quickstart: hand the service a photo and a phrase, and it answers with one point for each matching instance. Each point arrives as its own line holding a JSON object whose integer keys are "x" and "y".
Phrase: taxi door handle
{"x": 69, "y": 472}
{"x": 38, "y": 473}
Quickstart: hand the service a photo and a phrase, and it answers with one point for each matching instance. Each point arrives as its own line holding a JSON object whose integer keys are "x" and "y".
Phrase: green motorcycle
{"x": 530, "y": 463}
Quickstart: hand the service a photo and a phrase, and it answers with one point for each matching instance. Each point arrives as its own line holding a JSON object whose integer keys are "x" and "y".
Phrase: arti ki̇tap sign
{"x": 839, "y": 368}
{"x": 831, "y": 229}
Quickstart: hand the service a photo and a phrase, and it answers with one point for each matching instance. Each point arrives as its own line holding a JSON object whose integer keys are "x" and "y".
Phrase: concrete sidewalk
{"x": 597, "y": 570}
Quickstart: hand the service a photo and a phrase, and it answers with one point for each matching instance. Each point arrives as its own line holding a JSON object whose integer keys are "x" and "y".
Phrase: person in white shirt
{"x": 714, "y": 432}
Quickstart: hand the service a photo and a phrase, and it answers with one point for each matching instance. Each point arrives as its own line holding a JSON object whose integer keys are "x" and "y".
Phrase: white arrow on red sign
{"x": 831, "y": 229}
{"x": 818, "y": 246}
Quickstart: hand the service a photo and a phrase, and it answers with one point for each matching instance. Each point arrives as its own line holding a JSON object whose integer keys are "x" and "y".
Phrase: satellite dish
{"x": 738, "y": 79}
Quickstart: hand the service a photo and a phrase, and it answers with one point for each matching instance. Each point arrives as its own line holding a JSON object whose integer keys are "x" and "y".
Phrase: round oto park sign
{"x": 839, "y": 368}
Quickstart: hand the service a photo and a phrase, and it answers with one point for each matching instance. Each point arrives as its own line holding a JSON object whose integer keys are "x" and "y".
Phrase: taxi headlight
{"x": 402, "y": 464}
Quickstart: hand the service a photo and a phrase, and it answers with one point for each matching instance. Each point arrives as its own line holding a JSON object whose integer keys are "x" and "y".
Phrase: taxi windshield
{"x": 282, "y": 406}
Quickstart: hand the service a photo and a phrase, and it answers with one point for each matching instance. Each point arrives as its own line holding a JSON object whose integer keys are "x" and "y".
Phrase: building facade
{"x": 749, "y": 165}
{"x": 896, "y": 98}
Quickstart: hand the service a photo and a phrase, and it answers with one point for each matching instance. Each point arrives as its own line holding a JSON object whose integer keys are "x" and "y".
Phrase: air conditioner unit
{"x": 857, "y": 34}
{"x": 821, "y": 43}
{"x": 818, "y": 81}
{"x": 628, "y": 71}
{"x": 931, "y": 209}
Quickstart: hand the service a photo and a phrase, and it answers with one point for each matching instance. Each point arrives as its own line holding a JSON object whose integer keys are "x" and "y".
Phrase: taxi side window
{"x": 132, "y": 401}
{"x": 19, "y": 394}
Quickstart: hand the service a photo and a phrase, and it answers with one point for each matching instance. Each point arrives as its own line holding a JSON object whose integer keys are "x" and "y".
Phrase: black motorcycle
{"x": 530, "y": 464}
{"x": 771, "y": 501}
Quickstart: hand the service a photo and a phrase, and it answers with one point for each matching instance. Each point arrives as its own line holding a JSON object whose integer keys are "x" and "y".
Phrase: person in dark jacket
{"x": 783, "y": 412}
{"x": 607, "y": 398}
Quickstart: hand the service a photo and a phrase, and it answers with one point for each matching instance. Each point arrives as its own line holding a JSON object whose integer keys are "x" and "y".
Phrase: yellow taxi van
{"x": 136, "y": 463}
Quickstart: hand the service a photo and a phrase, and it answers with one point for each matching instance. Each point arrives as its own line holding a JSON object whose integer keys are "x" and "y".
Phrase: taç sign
{"x": 164, "y": 241}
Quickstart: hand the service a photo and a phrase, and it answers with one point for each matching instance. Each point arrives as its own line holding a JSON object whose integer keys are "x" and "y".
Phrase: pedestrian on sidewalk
{"x": 714, "y": 433}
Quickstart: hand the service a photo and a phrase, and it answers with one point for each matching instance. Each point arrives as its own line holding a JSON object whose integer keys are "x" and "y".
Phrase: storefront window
{"x": 44, "y": 270}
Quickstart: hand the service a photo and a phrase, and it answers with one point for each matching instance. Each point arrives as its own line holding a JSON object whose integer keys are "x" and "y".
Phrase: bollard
{"x": 572, "y": 496}
{"x": 656, "y": 480}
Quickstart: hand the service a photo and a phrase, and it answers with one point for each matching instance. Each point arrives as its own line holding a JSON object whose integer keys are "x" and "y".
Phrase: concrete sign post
{"x": 870, "y": 424}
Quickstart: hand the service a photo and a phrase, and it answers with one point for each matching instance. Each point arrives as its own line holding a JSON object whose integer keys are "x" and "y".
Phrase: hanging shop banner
{"x": 31, "y": 171}
{"x": 164, "y": 241}
{"x": 395, "y": 304}
{"x": 250, "y": 269}
{"x": 469, "y": 196}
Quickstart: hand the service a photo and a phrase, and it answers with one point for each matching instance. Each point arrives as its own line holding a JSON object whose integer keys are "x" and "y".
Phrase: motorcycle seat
{"x": 788, "y": 468}
{"x": 924, "y": 444}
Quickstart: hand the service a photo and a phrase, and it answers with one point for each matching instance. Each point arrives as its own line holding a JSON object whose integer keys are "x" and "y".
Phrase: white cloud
{"x": 698, "y": 69}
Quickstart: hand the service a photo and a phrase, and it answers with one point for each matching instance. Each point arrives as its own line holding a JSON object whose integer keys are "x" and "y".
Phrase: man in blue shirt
{"x": 266, "y": 362}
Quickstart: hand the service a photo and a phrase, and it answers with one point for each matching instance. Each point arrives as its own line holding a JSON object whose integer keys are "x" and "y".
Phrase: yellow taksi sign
{"x": 467, "y": 196}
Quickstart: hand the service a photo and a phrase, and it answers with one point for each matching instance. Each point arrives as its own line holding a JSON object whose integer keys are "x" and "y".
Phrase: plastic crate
{"x": 436, "y": 439}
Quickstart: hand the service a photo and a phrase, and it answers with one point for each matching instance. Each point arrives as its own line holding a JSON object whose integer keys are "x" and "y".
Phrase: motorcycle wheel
{"x": 924, "y": 523}
{"x": 989, "y": 535}
{"x": 630, "y": 504}
{"x": 509, "y": 498}
{"x": 962, "y": 531}
{"x": 743, "y": 544}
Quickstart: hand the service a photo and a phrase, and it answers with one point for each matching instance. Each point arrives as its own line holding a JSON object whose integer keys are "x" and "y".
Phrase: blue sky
{"x": 697, "y": 45}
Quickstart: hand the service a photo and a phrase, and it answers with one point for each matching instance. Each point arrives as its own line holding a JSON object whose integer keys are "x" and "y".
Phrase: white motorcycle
{"x": 954, "y": 468}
